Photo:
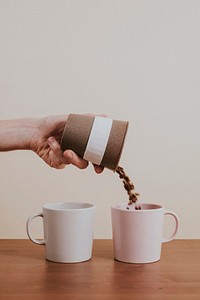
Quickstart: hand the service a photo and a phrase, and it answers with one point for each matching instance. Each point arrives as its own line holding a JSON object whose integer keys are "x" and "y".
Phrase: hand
{"x": 45, "y": 142}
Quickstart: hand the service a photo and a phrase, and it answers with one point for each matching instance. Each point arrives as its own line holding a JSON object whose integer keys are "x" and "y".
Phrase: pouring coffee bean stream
{"x": 83, "y": 134}
{"x": 129, "y": 187}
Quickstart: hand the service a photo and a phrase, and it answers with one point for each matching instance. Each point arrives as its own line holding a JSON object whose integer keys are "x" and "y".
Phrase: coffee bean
{"x": 128, "y": 186}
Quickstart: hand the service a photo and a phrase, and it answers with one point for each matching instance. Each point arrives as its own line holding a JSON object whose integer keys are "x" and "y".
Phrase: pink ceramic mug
{"x": 138, "y": 234}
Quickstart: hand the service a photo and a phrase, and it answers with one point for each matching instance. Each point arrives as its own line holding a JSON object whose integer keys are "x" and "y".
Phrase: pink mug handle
{"x": 172, "y": 237}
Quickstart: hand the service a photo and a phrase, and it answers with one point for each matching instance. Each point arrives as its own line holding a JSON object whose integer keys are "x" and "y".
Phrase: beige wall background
{"x": 133, "y": 60}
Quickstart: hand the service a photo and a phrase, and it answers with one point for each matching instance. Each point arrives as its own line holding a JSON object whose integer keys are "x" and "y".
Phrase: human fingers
{"x": 54, "y": 161}
{"x": 98, "y": 169}
{"x": 75, "y": 160}
{"x": 55, "y": 147}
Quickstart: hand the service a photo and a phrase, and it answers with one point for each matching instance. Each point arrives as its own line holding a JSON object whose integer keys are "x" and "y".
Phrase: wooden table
{"x": 25, "y": 274}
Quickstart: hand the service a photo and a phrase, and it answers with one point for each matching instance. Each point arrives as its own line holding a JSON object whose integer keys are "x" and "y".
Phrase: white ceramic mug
{"x": 138, "y": 234}
{"x": 68, "y": 231}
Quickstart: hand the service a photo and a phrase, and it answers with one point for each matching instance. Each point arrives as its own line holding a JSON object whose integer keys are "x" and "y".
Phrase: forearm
{"x": 16, "y": 134}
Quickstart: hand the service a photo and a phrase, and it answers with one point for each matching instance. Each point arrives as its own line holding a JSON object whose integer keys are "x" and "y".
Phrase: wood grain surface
{"x": 25, "y": 274}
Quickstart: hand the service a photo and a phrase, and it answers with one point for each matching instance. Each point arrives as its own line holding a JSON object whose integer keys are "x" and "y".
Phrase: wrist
{"x": 17, "y": 134}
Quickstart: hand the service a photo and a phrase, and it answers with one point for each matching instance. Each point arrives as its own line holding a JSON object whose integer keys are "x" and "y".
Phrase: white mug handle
{"x": 172, "y": 237}
{"x": 36, "y": 241}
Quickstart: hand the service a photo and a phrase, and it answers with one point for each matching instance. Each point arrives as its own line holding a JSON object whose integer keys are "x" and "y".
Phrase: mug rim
{"x": 151, "y": 207}
{"x": 67, "y": 206}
